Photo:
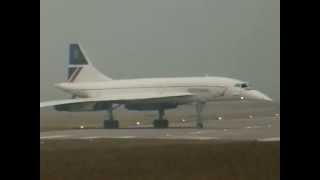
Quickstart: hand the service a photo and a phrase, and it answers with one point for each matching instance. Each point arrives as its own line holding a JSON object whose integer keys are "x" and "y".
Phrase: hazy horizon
{"x": 169, "y": 38}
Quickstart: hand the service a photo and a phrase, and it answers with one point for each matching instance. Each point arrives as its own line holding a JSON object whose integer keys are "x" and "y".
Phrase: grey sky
{"x": 163, "y": 38}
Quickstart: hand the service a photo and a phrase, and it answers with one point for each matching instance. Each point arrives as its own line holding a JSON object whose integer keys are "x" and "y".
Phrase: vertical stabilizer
{"x": 80, "y": 68}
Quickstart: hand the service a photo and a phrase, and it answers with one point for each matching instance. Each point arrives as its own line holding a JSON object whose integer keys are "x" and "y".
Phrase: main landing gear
{"x": 199, "y": 108}
{"x": 161, "y": 122}
{"x": 110, "y": 123}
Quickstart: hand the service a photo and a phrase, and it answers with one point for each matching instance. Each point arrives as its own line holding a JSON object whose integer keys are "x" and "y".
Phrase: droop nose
{"x": 256, "y": 95}
{"x": 61, "y": 86}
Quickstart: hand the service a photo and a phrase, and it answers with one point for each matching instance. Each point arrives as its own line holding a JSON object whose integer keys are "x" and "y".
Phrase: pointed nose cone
{"x": 256, "y": 95}
{"x": 61, "y": 86}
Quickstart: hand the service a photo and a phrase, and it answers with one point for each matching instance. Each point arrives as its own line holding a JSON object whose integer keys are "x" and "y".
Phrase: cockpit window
{"x": 242, "y": 85}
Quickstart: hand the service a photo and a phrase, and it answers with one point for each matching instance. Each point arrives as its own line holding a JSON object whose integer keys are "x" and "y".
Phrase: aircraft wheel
{"x": 114, "y": 124}
{"x": 160, "y": 124}
{"x": 200, "y": 125}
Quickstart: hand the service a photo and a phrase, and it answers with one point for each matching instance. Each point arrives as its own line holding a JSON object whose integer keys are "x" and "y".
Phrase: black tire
{"x": 200, "y": 125}
{"x": 111, "y": 124}
{"x": 160, "y": 124}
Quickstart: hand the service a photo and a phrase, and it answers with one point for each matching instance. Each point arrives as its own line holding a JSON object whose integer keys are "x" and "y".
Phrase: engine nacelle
{"x": 150, "y": 107}
{"x": 83, "y": 107}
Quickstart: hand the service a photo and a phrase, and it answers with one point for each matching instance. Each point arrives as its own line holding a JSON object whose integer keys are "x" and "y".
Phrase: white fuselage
{"x": 204, "y": 88}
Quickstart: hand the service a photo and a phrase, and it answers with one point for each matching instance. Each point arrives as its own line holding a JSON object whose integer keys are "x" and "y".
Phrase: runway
{"x": 252, "y": 128}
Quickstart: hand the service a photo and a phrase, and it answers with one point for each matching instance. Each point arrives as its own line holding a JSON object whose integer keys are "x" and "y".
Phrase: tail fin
{"x": 80, "y": 68}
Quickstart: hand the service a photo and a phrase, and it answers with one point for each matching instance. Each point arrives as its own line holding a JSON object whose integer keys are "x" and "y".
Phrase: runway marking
{"x": 197, "y": 132}
{"x": 189, "y": 137}
{"x": 204, "y": 138}
{"x": 91, "y": 137}
{"x": 125, "y": 137}
{"x": 53, "y": 137}
{"x": 253, "y": 127}
{"x": 270, "y": 139}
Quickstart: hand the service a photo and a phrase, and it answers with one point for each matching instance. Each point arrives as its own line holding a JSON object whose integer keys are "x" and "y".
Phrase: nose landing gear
{"x": 161, "y": 123}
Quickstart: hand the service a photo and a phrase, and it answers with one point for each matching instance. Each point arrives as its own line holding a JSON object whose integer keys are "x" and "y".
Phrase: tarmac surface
{"x": 251, "y": 128}
{"x": 222, "y": 121}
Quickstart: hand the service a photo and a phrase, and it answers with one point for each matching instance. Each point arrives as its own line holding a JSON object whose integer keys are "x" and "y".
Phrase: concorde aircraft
{"x": 93, "y": 91}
